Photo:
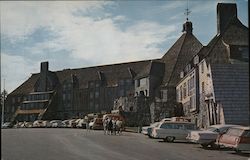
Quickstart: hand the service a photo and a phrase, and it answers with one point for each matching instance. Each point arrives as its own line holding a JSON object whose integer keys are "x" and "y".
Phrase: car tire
{"x": 214, "y": 146}
{"x": 237, "y": 151}
{"x": 204, "y": 145}
{"x": 169, "y": 139}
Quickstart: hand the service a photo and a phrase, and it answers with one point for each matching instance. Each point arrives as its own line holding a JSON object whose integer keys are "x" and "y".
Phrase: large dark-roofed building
{"x": 149, "y": 87}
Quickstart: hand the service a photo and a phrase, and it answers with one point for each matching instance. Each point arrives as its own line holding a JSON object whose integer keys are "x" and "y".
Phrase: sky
{"x": 78, "y": 34}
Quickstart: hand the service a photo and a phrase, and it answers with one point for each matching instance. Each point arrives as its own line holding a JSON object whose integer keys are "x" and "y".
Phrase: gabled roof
{"x": 154, "y": 68}
{"x": 178, "y": 56}
{"x": 235, "y": 34}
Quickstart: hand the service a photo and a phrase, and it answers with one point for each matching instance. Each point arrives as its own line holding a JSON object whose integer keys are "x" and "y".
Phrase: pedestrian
{"x": 87, "y": 125}
{"x": 110, "y": 126}
{"x": 105, "y": 125}
{"x": 114, "y": 125}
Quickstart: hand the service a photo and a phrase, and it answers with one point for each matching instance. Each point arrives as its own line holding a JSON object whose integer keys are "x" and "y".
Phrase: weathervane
{"x": 187, "y": 11}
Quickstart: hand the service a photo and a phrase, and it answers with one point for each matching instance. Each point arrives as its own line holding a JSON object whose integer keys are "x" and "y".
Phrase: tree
{"x": 3, "y": 97}
{"x": 4, "y": 94}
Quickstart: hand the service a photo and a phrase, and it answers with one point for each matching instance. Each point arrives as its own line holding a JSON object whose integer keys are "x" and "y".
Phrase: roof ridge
{"x": 107, "y": 65}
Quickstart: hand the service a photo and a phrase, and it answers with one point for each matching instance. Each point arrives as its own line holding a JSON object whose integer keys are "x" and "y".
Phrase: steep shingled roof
{"x": 155, "y": 68}
{"x": 112, "y": 73}
{"x": 178, "y": 56}
{"x": 27, "y": 86}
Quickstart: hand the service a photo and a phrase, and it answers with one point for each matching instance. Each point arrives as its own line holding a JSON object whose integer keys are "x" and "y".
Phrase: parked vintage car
{"x": 38, "y": 124}
{"x": 147, "y": 130}
{"x": 56, "y": 123}
{"x": 46, "y": 124}
{"x": 170, "y": 131}
{"x": 72, "y": 123}
{"x": 7, "y": 125}
{"x": 28, "y": 124}
{"x": 208, "y": 137}
{"x": 81, "y": 123}
{"x": 18, "y": 125}
{"x": 65, "y": 123}
{"x": 237, "y": 138}
{"x": 96, "y": 123}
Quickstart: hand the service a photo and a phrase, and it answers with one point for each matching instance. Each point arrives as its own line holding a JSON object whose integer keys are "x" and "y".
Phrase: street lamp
{"x": 3, "y": 102}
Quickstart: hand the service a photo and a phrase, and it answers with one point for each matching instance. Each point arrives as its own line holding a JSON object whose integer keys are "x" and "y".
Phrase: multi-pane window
{"x": 129, "y": 82}
{"x": 91, "y": 95}
{"x": 143, "y": 81}
{"x": 96, "y": 94}
{"x": 64, "y": 97}
{"x": 97, "y": 85}
{"x": 192, "y": 102}
{"x": 177, "y": 95}
{"x": 121, "y": 92}
{"x": 184, "y": 90}
{"x": 96, "y": 107}
{"x": 202, "y": 87}
{"x": 202, "y": 67}
{"x": 181, "y": 94}
{"x": 121, "y": 82}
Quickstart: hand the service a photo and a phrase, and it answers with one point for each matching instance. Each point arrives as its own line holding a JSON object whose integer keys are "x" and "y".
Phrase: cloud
{"x": 15, "y": 70}
{"x": 20, "y": 19}
{"x": 83, "y": 36}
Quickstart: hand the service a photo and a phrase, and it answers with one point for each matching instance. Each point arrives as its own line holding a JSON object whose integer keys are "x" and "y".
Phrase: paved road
{"x": 78, "y": 144}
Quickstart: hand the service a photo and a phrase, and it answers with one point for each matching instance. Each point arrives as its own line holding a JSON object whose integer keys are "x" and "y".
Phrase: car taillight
{"x": 154, "y": 131}
{"x": 237, "y": 140}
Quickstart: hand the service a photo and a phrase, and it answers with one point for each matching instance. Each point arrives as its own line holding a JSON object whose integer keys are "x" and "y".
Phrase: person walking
{"x": 114, "y": 125}
{"x": 87, "y": 125}
{"x": 105, "y": 125}
{"x": 110, "y": 126}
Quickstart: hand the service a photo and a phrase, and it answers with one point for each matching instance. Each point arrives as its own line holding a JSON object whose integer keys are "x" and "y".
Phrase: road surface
{"x": 79, "y": 144}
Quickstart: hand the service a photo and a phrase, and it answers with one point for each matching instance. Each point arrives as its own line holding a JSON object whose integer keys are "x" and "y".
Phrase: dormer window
{"x": 196, "y": 59}
{"x": 182, "y": 74}
{"x": 244, "y": 52}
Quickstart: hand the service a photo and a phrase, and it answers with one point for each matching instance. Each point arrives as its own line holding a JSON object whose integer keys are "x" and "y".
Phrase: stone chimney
{"x": 187, "y": 27}
{"x": 43, "y": 76}
{"x": 225, "y": 12}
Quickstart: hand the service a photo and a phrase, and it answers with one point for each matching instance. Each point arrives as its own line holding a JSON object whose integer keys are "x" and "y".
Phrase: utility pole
{"x": 3, "y": 102}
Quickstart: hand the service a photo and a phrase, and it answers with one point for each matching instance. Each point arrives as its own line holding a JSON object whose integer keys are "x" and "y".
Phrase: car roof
{"x": 243, "y": 127}
{"x": 177, "y": 122}
{"x": 224, "y": 125}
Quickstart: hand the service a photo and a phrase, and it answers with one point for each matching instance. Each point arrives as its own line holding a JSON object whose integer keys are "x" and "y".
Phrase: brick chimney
{"x": 43, "y": 76}
{"x": 225, "y": 12}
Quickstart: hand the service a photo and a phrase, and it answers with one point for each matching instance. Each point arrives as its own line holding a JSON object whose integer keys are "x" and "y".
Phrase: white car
{"x": 56, "y": 123}
{"x": 38, "y": 123}
{"x": 46, "y": 124}
{"x": 81, "y": 123}
{"x": 208, "y": 137}
{"x": 170, "y": 131}
{"x": 7, "y": 125}
{"x": 65, "y": 123}
{"x": 148, "y": 129}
